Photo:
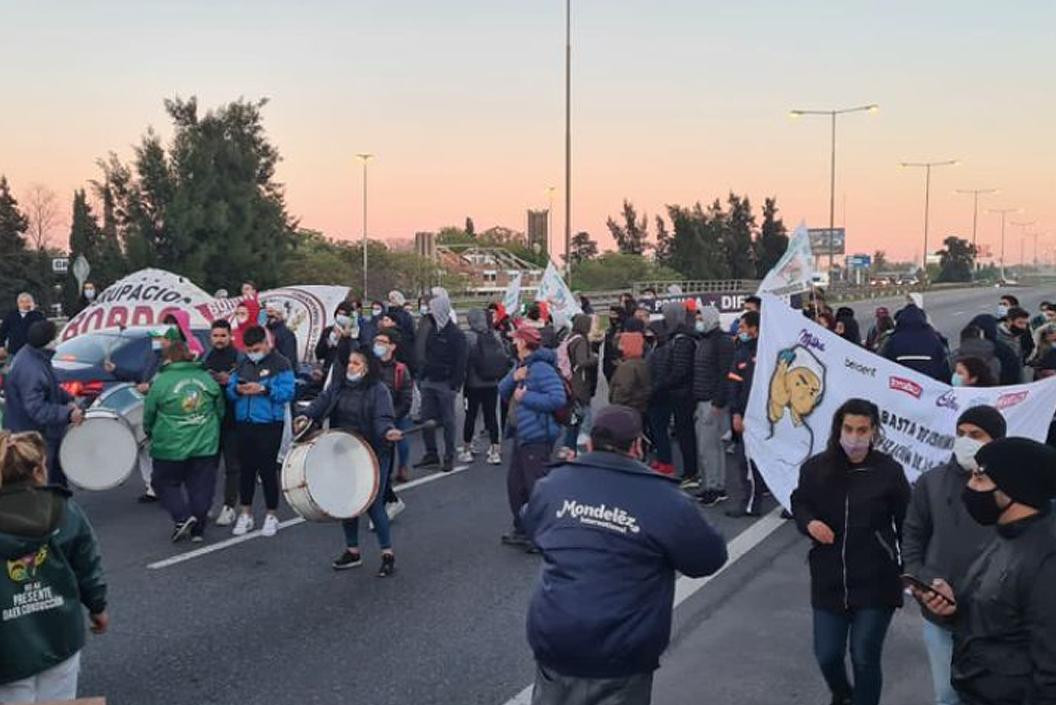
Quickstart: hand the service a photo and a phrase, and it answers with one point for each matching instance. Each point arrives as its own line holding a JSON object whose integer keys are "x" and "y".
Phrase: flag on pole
{"x": 794, "y": 272}
{"x": 554, "y": 291}
{"x": 511, "y": 300}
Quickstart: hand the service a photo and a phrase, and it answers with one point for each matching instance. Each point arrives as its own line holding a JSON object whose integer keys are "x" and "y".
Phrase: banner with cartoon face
{"x": 804, "y": 373}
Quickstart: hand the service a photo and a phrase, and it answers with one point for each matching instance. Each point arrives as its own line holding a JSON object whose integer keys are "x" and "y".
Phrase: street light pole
{"x": 568, "y": 141}
{"x": 975, "y": 205}
{"x": 927, "y": 199}
{"x": 364, "y": 157}
{"x": 871, "y": 108}
{"x": 549, "y": 218}
{"x": 1022, "y": 237}
{"x": 1003, "y": 212}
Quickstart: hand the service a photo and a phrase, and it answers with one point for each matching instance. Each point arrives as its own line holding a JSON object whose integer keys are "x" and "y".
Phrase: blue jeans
{"x": 403, "y": 448}
{"x": 939, "y": 643}
{"x": 376, "y": 512}
{"x": 867, "y": 628}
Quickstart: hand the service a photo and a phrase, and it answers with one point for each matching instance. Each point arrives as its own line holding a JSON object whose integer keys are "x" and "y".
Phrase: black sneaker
{"x": 428, "y": 461}
{"x": 147, "y": 498}
{"x": 516, "y": 539}
{"x": 388, "y": 565}
{"x": 709, "y": 498}
{"x": 346, "y": 560}
{"x": 448, "y": 465}
{"x": 532, "y": 549}
{"x": 183, "y": 528}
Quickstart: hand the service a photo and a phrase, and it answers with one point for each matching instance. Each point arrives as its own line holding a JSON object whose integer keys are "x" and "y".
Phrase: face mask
{"x": 155, "y": 345}
{"x": 957, "y": 381}
{"x": 700, "y": 327}
{"x": 744, "y": 337}
{"x": 853, "y": 446}
{"x": 343, "y": 320}
{"x": 964, "y": 449}
{"x": 981, "y": 506}
{"x": 1002, "y": 311}
{"x": 376, "y": 310}
{"x": 89, "y": 294}
{"x": 423, "y": 310}
{"x": 255, "y": 356}
{"x": 380, "y": 351}
{"x": 353, "y": 376}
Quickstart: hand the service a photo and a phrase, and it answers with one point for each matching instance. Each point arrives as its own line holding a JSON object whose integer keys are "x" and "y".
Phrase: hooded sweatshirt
{"x": 583, "y": 359}
{"x": 443, "y": 359}
{"x": 631, "y": 384}
{"x": 671, "y": 364}
{"x": 1011, "y": 369}
{"x": 712, "y": 361}
{"x": 916, "y": 345}
{"x": 491, "y": 346}
{"x": 52, "y": 568}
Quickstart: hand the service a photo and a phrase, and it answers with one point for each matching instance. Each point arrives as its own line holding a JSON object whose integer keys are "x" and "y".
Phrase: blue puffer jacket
{"x": 276, "y": 374}
{"x": 612, "y": 533}
{"x": 35, "y": 401}
{"x": 545, "y": 395}
{"x": 916, "y": 345}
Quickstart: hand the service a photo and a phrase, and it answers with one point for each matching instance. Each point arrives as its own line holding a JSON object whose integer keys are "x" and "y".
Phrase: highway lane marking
{"x": 235, "y": 540}
{"x": 687, "y": 587}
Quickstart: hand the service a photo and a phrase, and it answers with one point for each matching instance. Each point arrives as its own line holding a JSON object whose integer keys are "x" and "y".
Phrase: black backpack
{"x": 492, "y": 362}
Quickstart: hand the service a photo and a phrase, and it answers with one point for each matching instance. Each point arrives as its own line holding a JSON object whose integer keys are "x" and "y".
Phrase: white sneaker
{"x": 393, "y": 509}
{"x": 465, "y": 455}
{"x": 226, "y": 517}
{"x": 244, "y": 525}
{"x": 271, "y": 525}
{"x": 494, "y": 455}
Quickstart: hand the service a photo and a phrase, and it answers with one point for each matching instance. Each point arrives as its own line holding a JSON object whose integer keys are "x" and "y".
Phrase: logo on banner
{"x": 811, "y": 341}
{"x": 859, "y": 367}
{"x": 1006, "y": 401}
{"x": 948, "y": 400}
{"x": 796, "y": 389}
{"x": 901, "y": 384}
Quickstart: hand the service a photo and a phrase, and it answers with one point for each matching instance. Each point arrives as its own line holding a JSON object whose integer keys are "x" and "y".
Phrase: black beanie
{"x": 1023, "y": 469}
{"x": 40, "y": 334}
{"x": 987, "y": 418}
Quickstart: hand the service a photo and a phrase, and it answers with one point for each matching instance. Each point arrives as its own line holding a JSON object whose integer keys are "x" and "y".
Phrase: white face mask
{"x": 353, "y": 376}
{"x": 89, "y": 294}
{"x": 964, "y": 449}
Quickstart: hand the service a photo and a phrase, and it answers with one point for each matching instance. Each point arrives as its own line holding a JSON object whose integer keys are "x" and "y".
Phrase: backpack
{"x": 565, "y": 415}
{"x": 564, "y": 361}
{"x": 492, "y": 363}
{"x": 398, "y": 375}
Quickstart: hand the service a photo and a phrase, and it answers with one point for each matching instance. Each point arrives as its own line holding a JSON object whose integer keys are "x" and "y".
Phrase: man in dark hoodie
{"x": 284, "y": 341}
{"x": 584, "y": 367}
{"x": 711, "y": 365}
{"x": 671, "y": 369}
{"x": 53, "y": 568}
{"x": 486, "y": 365}
{"x": 442, "y": 372}
{"x": 916, "y": 345}
{"x": 1011, "y": 368}
{"x": 940, "y": 539}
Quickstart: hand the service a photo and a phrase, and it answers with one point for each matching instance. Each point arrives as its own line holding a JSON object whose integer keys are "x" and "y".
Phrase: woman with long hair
{"x": 972, "y": 372}
{"x": 851, "y": 500}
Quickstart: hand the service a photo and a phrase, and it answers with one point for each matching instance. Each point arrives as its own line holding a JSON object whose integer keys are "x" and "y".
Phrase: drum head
{"x": 121, "y": 398}
{"x": 100, "y": 453}
{"x": 342, "y": 474}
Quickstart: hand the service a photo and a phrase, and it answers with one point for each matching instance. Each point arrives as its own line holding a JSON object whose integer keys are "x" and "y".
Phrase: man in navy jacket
{"x": 613, "y": 533}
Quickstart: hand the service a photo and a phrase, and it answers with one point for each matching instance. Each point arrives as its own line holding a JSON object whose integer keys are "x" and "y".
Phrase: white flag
{"x": 794, "y": 272}
{"x": 511, "y": 300}
{"x": 554, "y": 291}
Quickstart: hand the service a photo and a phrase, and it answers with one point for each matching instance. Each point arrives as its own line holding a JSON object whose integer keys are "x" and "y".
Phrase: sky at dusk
{"x": 462, "y": 101}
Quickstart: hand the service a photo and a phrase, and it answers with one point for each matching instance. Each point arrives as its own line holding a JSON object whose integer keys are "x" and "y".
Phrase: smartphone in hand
{"x": 912, "y": 581}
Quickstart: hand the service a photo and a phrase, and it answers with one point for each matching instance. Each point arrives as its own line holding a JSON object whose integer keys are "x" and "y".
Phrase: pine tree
{"x": 772, "y": 241}
{"x": 632, "y": 237}
{"x": 583, "y": 248}
{"x": 15, "y": 259}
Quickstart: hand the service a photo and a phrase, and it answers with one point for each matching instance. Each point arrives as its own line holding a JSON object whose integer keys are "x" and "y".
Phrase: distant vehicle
{"x": 1006, "y": 282}
{"x": 821, "y": 279}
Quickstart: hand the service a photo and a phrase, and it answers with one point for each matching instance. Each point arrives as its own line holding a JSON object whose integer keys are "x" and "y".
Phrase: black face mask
{"x": 982, "y": 506}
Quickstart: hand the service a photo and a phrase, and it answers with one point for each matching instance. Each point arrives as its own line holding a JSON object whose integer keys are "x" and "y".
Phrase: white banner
{"x": 794, "y": 272}
{"x": 145, "y": 297}
{"x": 804, "y": 373}
{"x": 511, "y": 300}
{"x": 554, "y": 291}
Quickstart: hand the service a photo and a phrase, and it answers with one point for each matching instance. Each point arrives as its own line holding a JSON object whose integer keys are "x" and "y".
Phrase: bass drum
{"x": 128, "y": 403}
{"x": 100, "y": 453}
{"x": 332, "y": 475}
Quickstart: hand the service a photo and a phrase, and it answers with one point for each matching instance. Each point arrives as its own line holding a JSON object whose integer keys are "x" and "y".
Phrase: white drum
{"x": 126, "y": 401}
{"x": 332, "y": 475}
{"x": 100, "y": 453}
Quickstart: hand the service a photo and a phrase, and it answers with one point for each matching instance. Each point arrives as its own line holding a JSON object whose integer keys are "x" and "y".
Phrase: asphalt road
{"x": 267, "y": 621}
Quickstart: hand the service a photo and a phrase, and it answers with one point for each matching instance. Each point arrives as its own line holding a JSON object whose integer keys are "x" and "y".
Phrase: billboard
{"x": 821, "y": 237}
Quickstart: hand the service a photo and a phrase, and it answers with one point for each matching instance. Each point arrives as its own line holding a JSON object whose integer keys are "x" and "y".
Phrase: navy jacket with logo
{"x": 612, "y": 534}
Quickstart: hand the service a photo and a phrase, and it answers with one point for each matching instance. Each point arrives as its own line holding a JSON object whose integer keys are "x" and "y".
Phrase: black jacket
{"x": 671, "y": 366}
{"x": 1004, "y": 643}
{"x": 916, "y": 345}
{"x": 445, "y": 355}
{"x": 226, "y": 360}
{"x": 864, "y": 505}
{"x": 285, "y": 343}
{"x": 15, "y": 329}
{"x": 1011, "y": 367}
{"x": 740, "y": 376}
{"x": 711, "y": 368}
{"x": 939, "y": 538}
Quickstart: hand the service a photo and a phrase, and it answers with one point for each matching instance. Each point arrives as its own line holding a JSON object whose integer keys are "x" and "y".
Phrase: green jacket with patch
{"x": 51, "y": 566}
{"x": 182, "y": 412}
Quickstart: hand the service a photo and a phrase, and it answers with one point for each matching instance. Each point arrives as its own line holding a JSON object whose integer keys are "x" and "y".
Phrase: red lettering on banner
{"x": 118, "y": 317}
{"x": 1006, "y": 400}
{"x": 908, "y": 386}
{"x": 143, "y": 316}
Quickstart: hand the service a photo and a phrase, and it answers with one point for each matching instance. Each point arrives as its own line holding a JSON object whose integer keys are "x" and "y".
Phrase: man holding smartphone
{"x": 940, "y": 539}
{"x": 220, "y": 362}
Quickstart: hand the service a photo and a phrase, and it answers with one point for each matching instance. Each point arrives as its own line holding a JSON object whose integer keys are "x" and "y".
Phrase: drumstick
{"x": 431, "y": 423}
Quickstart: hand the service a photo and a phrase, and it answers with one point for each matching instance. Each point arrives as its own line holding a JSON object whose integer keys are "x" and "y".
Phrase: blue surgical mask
{"x": 957, "y": 380}
{"x": 376, "y": 310}
{"x": 343, "y": 320}
{"x": 744, "y": 337}
{"x": 255, "y": 356}
{"x": 353, "y": 376}
{"x": 380, "y": 350}
{"x": 1002, "y": 311}
{"x": 700, "y": 327}
{"x": 423, "y": 310}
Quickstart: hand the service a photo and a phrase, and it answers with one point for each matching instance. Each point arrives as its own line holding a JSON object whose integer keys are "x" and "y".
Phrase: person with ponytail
{"x": 851, "y": 501}
{"x": 53, "y": 567}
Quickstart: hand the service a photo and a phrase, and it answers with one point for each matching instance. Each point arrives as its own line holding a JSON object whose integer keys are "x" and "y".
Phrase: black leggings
{"x": 486, "y": 399}
{"x": 258, "y": 452}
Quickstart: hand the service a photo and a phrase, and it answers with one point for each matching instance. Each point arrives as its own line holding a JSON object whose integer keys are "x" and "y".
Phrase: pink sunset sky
{"x": 463, "y": 104}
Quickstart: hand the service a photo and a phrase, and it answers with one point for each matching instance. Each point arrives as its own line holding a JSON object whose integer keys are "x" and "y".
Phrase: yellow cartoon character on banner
{"x": 796, "y": 389}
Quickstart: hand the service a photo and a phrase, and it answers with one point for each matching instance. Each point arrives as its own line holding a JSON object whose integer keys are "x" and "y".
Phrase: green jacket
{"x": 182, "y": 412}
{"x": 51, "y": 568}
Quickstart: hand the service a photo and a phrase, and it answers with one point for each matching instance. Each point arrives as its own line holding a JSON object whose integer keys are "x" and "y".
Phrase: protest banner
{"x": 553, "y": 290}
{"x": 794, "y": 272}
{"x": 511, "y": 300}
{"x": 804, "y": 373}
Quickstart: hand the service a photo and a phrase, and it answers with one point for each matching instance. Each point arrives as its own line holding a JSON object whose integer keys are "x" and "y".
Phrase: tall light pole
{"x": 871, "y": 108}
{"x": 1023, "y": 225}
{"x": 927, "y": 198}
{"x": 568, "y": 141}
{"x": 365, "y": 157}
{"x": 549, "y": 218}
{"x": 975, "y": 205}
{"x": 1003, "y": 212}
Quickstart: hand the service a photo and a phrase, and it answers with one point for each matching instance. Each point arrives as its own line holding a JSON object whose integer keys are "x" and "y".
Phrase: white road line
{"x": 687, "y": 587}
{"x": 235, "y": 540}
